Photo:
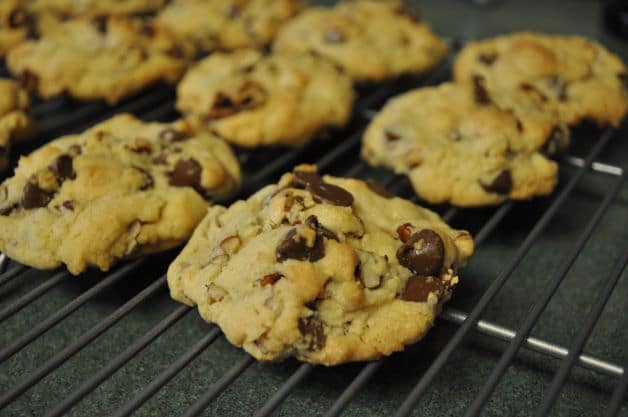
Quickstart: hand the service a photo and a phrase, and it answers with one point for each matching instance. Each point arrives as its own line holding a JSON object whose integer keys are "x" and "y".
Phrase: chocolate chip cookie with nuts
{"x": 252, "y": 99}
{"x": 212, "y": 25}
{"x": 120, "y": 189}
{"x": 327, "y": 270}
{"x": 573, "y": 75}
{"x": 79, "y": 8}
{"x": 457, "y": 148}
{"x": 98, "y": 58}
{"x": 15, "y": 123}
{"x": 370, "y": 40}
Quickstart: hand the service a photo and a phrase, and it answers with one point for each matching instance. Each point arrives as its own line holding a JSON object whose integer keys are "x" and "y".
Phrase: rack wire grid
{"x": 537, "y": 325}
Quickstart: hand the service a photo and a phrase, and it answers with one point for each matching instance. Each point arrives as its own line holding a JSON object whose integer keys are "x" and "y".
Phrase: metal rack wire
{"x": 63, "y": 116}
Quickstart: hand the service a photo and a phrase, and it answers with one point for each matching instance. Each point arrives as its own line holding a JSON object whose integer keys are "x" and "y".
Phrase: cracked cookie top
{"x": 324, "y": 269}
{"x": 121, "y": 188}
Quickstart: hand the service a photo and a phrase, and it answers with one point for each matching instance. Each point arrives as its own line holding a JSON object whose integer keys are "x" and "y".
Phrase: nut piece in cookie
{"x": 98, "y": 58}
{"x": 251, "y": 99}
{"x": 370, "y": 40}
{"x": 15, "y": 123}
{"x": 320, "y": 268}
{"x": 571, "y": 75}
{"x": 457, "y": 148}
{"x": 212, "y": 25}
{"x": 121, "y": 189}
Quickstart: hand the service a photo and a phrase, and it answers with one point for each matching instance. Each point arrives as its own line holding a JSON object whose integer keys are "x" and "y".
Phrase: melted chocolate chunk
{"x": 170, "y": 135}
{"x": 69, "y": 204}
{"x": 5, "y": 211}
{"x": 404, "y": 232}
{"x": 294, "y": 246}
{"x": 312, "y": 223}
{"x": 100, "y": 23}
{"x": 149, "y": 182}
{"x": 187, "y": 173}
{"x": 557, "y": 141}
{"x": 487, "y": 58}
{"x": 425, "y": 260}
{"x": 323, "y": 192}
{"x": 334, "y": 35}
{"x": 28, "y": 80}
{"x": 34, "y": 197}
{"x": 270, "y": 279}
{"x": 313, "y": 332}
{"x": 379, "y": 189}
{"x": 223, "y": 106}
{"x": 479, "y": 90}
{"x": 418, "y": 288}
{"x": 303, "y": 178}
{"x": 20, "y": 17}
{"x": 63, "y": 168}
{"x": 502, "y": 184}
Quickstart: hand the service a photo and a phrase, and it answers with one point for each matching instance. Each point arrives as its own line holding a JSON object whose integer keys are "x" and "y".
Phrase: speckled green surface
{"x": 522, "y": 387}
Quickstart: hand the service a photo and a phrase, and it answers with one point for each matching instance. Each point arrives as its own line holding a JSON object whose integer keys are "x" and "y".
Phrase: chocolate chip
{"x": 100, "y": 23}
{"x": 294, "y": 246}
{"x": 391, "y": 136}
{"x": 63, "y": 168}
{"x": 20, "y": 17}
{"x": 170, "y": 135}
{"x": 428, "y": 258}
{"x": 149, "y": 182}
{"x": 379, "y": 189}
{"x": 529, "y": 88}
{"x": 623, "y": 78}
{"x": 304, "y": 178}
{"x": 334, "y": 35}
{"x": 270, "y": 279}
{"x": 69, "y": 204}
{"x": 223, "y": 106}
{"x": 312, "y": 223}
{"x": 559, "y": 85}
{"x": 404, "y": 232}
{"x": 519, "y": 126}
{"x": 34, "y": 197}
{"x": 502, "y": 184}
{"x": 313, "y": 332}
{"x": 144, "y": 148}
{"x": 161, "y": 159}
{"x": 5, "y": 211}
{"x": 28, "y": 80}
{"x": 487, "y": 58}
{"x": 558, "y": 140}
{"x": 148, "y": 30}
{"x": 187, "y": 173}
{"x": 418, "y": 288}
{"x": 479, "y": 90}
{"x": 323, "y": 192}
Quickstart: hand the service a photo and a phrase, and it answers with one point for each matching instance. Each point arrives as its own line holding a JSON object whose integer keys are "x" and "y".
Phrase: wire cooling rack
{"x": 46, "y": 370}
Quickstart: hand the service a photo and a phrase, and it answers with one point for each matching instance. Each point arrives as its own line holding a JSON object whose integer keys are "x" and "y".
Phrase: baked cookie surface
{"x": 572, "y": 75}
{"x": 93, "y": 7}
{"x": 120, "y": 189}
{"x": 457, "y": 149}
{"x": 94, "y": 58}
{"x": 226, "y": 24}
{"x": 323, "y": 269}
{"x": 371, "y": 40}
{"x": 252, "y": 99}
{"x": 15, "y": 123}
{"x": 16, "y": 24}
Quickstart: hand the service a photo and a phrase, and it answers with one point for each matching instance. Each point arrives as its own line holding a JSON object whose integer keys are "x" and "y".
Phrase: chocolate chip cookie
{"x": 121, "y": 189}
{"x": 459, "y": 149}
{"x": 252, "y": 99}
{"x": 371, "y": 40}
{"x": 324, "y": 269}
{"x": 103, "y": 57}
{"x": 94, "y": 7}
{"x": 226, "y": 24}
{"x": 16, "y": 24}
{"x": 572, "y": 75}
{"x": 15, "y": 123}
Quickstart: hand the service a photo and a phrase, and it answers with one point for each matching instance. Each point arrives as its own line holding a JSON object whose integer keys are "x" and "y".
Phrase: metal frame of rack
{"x": 62, "y": 115}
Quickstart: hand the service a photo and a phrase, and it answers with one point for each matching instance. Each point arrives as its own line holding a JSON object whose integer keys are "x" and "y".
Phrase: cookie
{"x": 213, "y": 25}
{"x": 327, "y": 270}
{"x": 252, "y": 99}
{"x": 16, "y": 25}
{"x": 15, "y": 123}
{"x": 93, "y": 58}
{"x": 371, "y": 40}
{"x": 572, "y": 75}
{"x": 458, "y": 149}
{"x": 121, "y": 189}
{"x": 94, "y": 7}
